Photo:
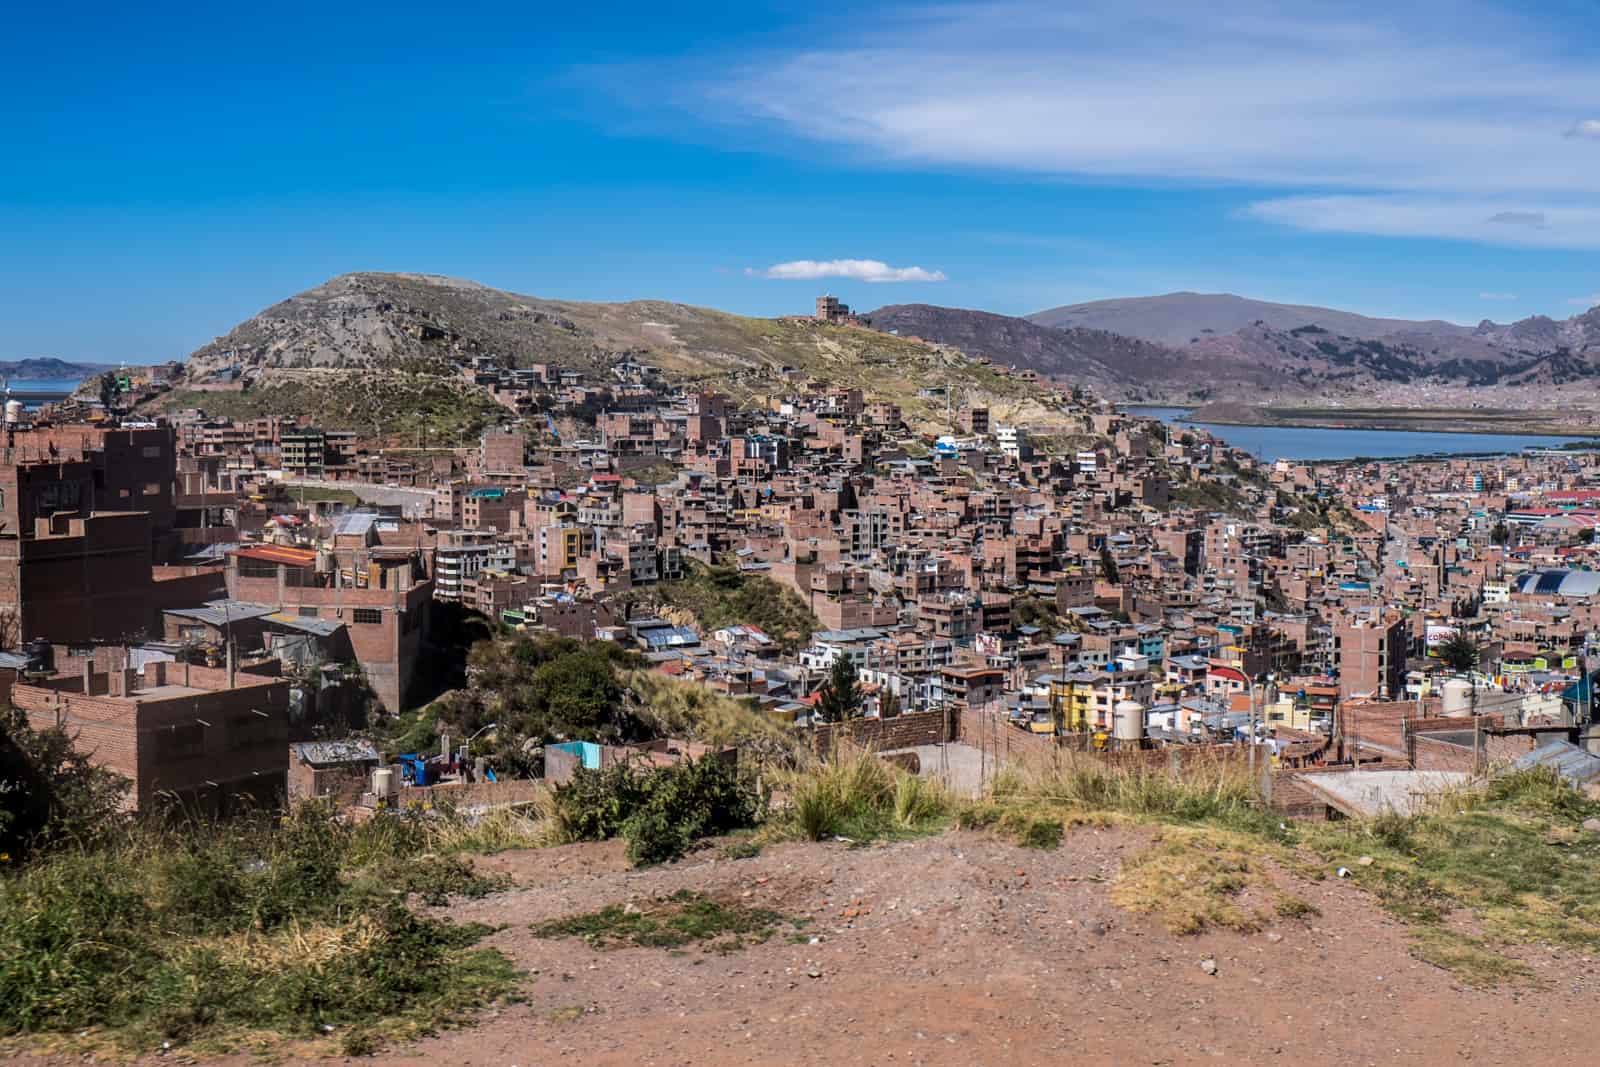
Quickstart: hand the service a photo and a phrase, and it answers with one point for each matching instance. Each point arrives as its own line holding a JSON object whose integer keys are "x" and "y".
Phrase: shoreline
{"x": 1398, "y": 423}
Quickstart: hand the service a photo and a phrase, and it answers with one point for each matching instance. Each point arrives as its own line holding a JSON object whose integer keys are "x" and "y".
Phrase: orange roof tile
{"x": 295, "y": 557}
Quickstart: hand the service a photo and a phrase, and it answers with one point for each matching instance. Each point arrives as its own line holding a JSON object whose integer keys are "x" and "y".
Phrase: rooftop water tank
{"x": 1127, "y": 722}
{"x": 1457, "y": 698}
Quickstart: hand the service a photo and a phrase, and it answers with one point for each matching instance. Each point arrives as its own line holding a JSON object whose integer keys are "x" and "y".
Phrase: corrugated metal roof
{"x": 1566, "y": 759}
{"x": 316, "y": 627}
{"x": 222, "y": 612}
{"x": 354, "y": 522}
{"x": 325, "y": 752}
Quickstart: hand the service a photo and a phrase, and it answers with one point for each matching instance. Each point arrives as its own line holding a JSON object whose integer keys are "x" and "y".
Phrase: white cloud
{"x": 1497, "y": 296}
{"x": 1585, "y": 301}
{"x": 861, "y": 270}
{"x": 1441, "y": 102}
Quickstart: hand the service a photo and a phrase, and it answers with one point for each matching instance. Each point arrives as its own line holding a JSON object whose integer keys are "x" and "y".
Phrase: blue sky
{"x": 167, "y": 172}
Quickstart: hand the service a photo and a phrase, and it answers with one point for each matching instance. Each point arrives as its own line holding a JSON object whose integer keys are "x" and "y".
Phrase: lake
{"x": 34, "y": 392}
{"x": 1305, "y": 443}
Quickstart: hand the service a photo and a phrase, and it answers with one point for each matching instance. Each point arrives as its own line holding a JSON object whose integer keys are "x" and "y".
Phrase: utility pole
{"x": 1252, "y": 739}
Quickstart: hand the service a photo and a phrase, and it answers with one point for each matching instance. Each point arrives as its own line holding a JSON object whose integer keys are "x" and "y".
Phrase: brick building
{"x": 380, "y": 593}
{"x": 172, "y": 729}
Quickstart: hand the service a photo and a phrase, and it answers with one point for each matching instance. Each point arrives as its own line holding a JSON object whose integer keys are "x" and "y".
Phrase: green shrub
{"x": 661, "y": 812}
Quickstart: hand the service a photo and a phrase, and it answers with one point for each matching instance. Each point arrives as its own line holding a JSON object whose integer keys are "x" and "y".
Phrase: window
{"x": 256, "y": 568}
{"x": 367, "y": 616}
{"x": 307, "y": 612}
{"x": 181, "y": 742}
{"x": 251, "y": 731}
{"x": 152, "y": 488}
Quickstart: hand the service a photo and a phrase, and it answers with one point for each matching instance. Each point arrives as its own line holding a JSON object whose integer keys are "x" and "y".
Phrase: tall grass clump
{"x": 854, "y": 794}
{"x": 211, "y": 935}
{"x": 1214, "y": 791}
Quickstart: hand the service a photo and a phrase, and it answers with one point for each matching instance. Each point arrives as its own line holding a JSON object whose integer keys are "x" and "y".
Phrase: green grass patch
{"x": 1512, "y": 858}
{"x": 684, "y": 918}
{"x": 242, "y": 935}
{"x": 723, "y": 596}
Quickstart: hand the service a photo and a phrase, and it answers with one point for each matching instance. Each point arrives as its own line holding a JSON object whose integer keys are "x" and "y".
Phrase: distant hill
{"x": 48, "y": 368}
{"x": 1096, "y": 357}
{"x": 1186, "y": 318}
{"x": 338, "y": 344}
{"x": 1261, "y": 358}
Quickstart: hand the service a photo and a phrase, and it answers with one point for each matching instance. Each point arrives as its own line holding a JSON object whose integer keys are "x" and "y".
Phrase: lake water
{"x": 1303, "y": 443}
{"x": 34, "y": 392}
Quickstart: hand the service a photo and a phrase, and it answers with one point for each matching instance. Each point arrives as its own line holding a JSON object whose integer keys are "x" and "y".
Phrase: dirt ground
{"x": 965, "y": 949}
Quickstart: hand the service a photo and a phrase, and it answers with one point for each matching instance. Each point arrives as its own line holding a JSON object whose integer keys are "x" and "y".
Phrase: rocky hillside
{"x": 1094, "y": 357}
{"x": 394, "y": 320}
{"x": 371, "y": 327}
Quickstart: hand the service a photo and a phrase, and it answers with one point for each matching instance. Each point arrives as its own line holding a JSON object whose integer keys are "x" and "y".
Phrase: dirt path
{"x": 969, "y": 950}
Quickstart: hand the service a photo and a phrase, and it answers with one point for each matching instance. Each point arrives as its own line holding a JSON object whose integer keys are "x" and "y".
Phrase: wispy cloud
{"x": 1497, "y": 296}
{"x": 1519, "y": 218}
{"x": 1423, "y": 103}
{"x": 1585, "y": 301}
{"x": 861, "y": 270}
{"x": 1573, "y": 225}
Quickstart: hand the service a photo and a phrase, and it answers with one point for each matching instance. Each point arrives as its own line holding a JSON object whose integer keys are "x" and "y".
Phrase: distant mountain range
{"x": 1186, "y": 318}
{"x": 1187, "y": 346}
{"x": 48, "y": 368}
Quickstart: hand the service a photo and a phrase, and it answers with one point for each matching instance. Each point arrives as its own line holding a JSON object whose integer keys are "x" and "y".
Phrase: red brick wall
{"x": 128, "y": 736}
{"x": 902, "y": 731}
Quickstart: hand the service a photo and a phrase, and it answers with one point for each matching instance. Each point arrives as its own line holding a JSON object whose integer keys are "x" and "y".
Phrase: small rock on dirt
{"x": 1209, "y": 966}
{"x": 1592, "y": 825}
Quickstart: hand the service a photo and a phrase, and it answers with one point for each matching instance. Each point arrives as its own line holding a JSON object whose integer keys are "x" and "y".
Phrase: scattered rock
{"x": 1274, "y": 937}
{"x": 1209, "y": 966}
{"x": 1364, "y": 861}
{"x": 1592, "y": 825}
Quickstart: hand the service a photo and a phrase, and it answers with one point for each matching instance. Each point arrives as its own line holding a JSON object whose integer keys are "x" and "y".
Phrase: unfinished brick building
{"x": 380, "y": 593}
{"x": 174, "y": 730}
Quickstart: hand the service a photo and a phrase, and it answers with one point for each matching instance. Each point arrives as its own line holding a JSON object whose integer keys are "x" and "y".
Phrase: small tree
{"x": 888, "y": 705}
{"x": 1458, "y": 652}
{"x": 1500, "y": 534}
{"x": 841, "y": 693}
{"x": 1108, "y": 564}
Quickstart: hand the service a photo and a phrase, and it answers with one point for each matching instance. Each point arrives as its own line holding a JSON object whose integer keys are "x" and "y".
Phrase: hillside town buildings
{"x": 1053, "y": 580}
